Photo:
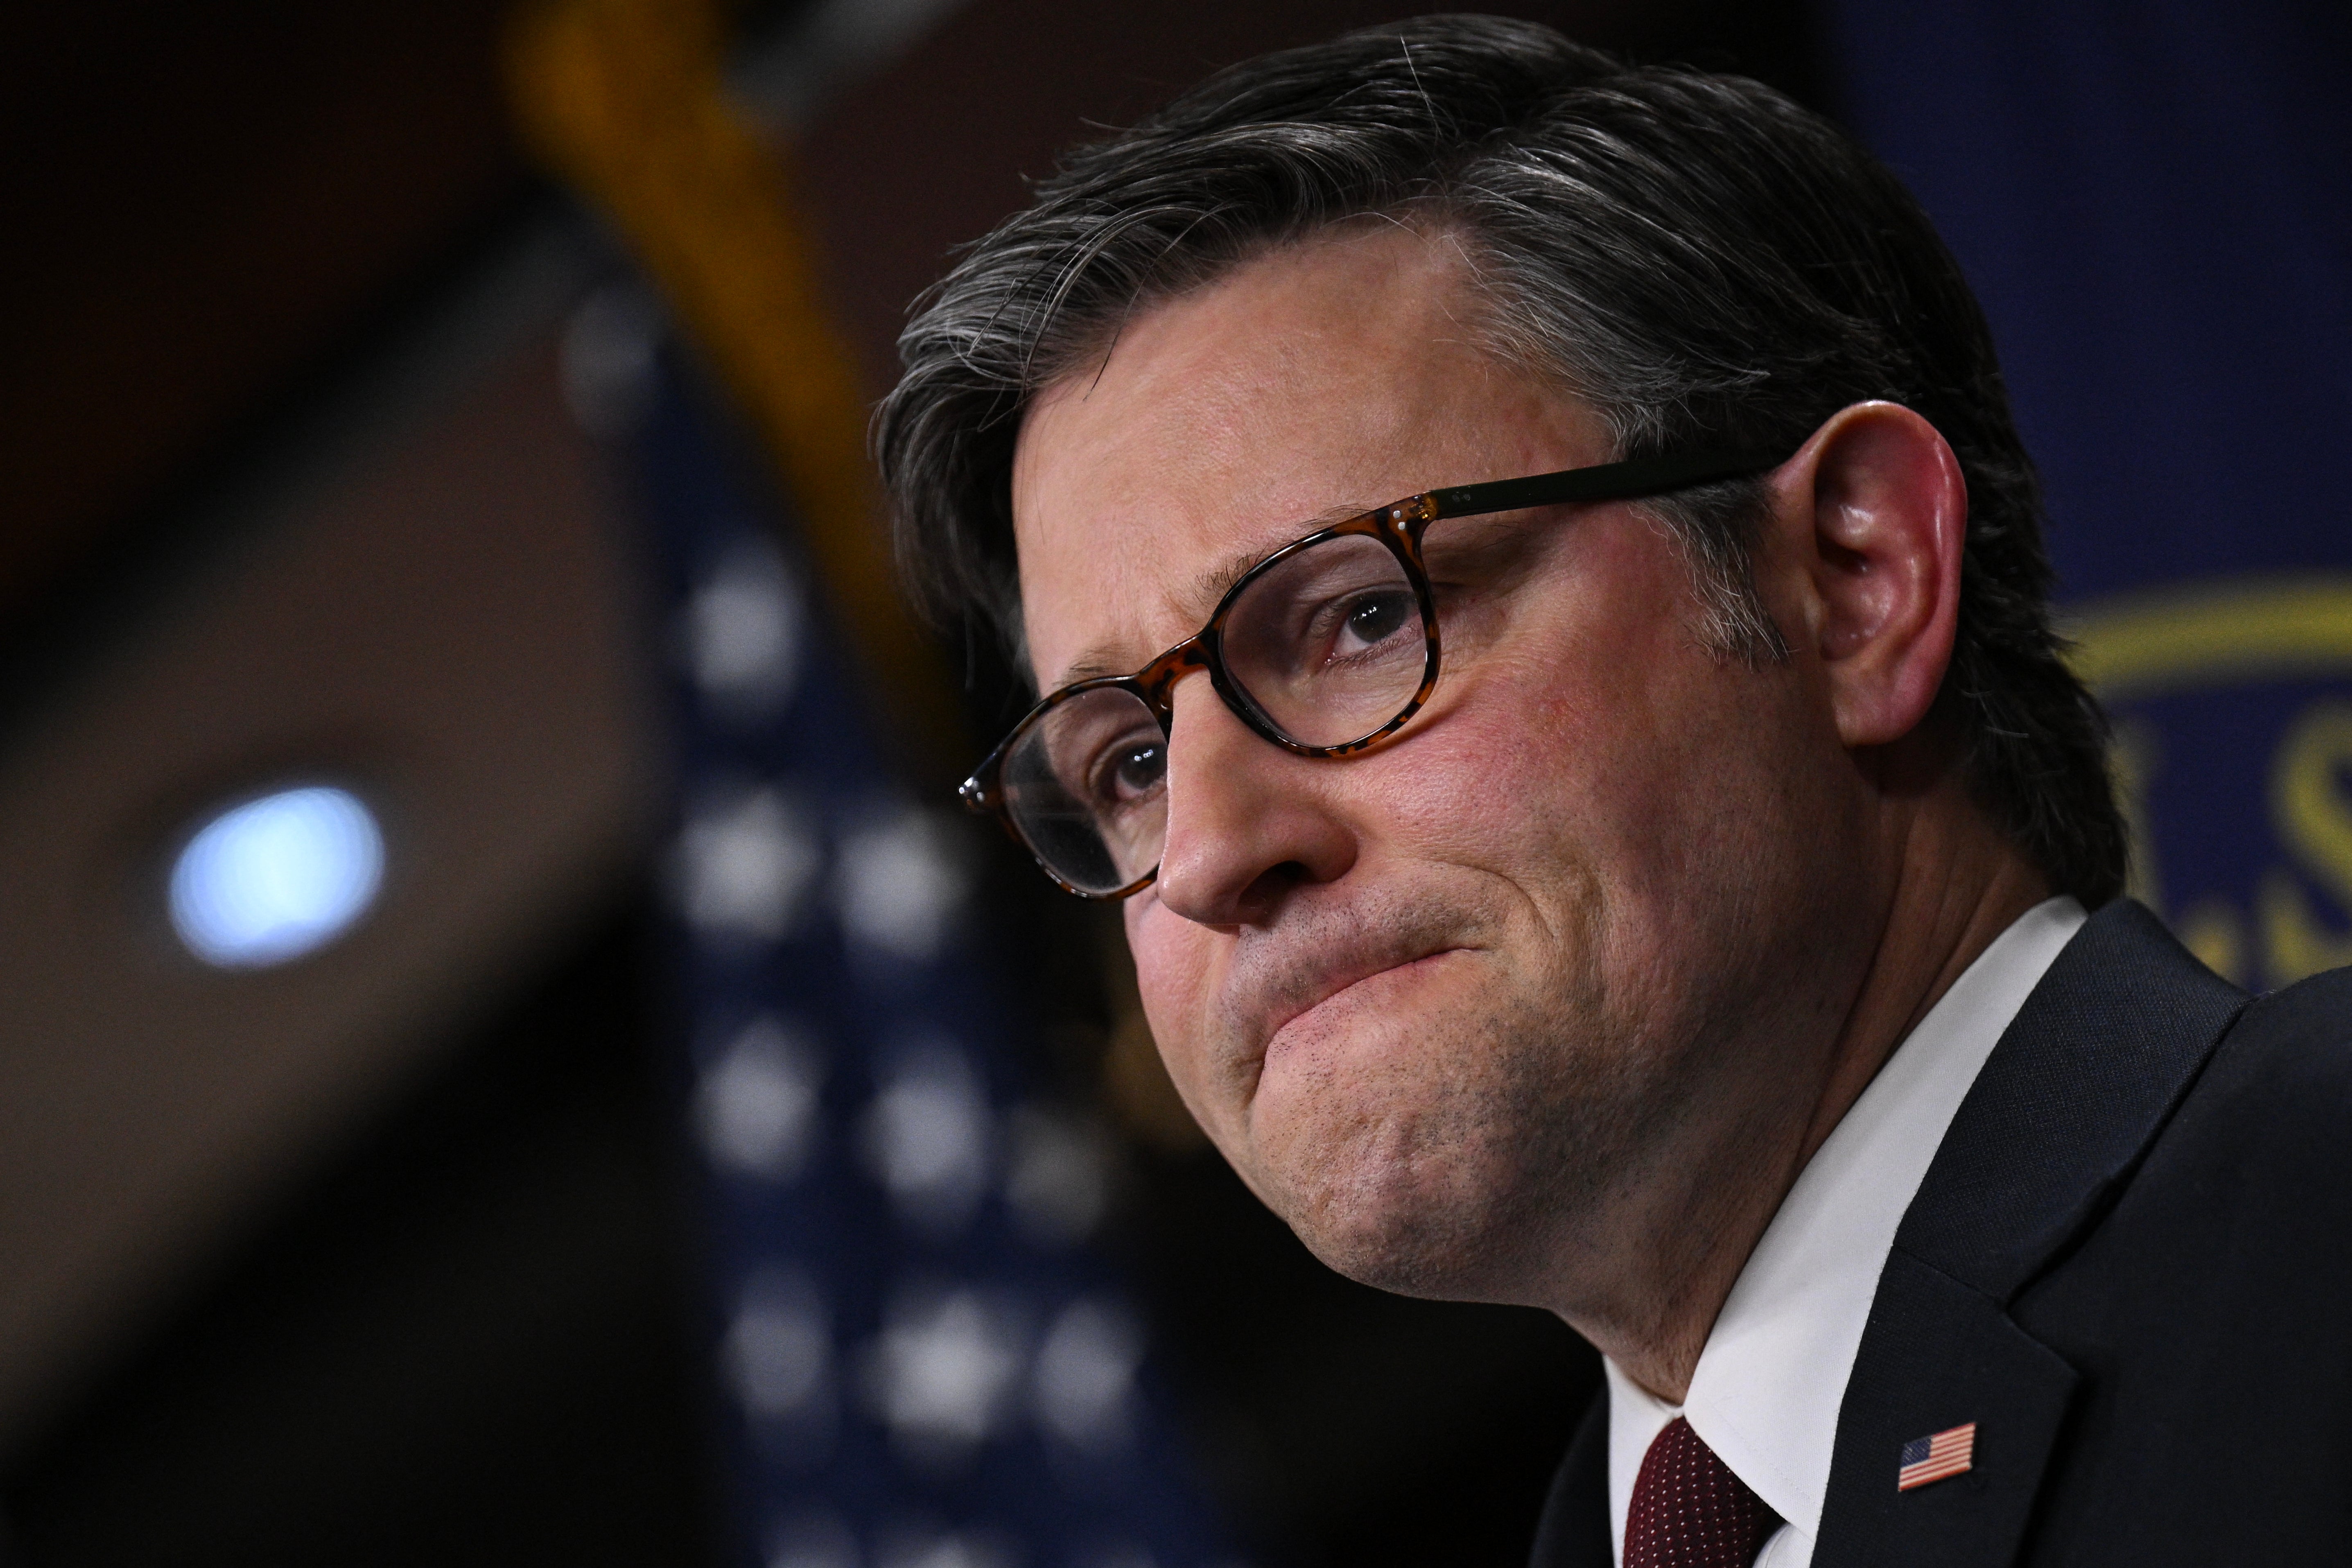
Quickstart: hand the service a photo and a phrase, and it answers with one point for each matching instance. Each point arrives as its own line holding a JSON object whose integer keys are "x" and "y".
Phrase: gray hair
{"x": 1696, "y": 257}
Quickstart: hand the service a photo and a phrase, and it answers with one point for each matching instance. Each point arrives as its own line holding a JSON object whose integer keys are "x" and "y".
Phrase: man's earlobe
{"x": 1888, "y": 509}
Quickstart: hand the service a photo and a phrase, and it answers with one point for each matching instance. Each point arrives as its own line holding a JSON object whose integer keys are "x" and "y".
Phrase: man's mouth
{"x": 1307, "y": 994}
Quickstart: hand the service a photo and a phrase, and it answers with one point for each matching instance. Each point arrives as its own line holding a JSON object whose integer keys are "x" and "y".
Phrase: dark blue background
{"x": 2150, "y": 197}
{"x": 2151, "y": 200}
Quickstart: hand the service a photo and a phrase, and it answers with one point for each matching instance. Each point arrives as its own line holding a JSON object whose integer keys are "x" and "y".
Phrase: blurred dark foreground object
{"x": 471, "y": 1340}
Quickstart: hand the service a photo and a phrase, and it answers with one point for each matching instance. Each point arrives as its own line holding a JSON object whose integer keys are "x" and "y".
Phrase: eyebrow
{"x": 1208, "y": 590}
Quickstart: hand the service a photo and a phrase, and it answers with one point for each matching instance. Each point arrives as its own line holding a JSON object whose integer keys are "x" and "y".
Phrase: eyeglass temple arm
{"x": 1606, "y": 481}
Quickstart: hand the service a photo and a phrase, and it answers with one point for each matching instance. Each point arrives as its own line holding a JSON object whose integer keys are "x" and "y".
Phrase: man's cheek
{"x": 1166, "y": 973}
{"x": 1474, "y": 791}
{"x": 1204, "y": 1082}
{"x": 1172, "y": 984}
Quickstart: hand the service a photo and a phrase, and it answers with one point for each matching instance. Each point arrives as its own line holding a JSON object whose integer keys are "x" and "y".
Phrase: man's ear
{"x": 1877, "y": 510}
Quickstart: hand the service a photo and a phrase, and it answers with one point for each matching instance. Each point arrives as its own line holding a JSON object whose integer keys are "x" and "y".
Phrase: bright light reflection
{"x": 272, "y": 879}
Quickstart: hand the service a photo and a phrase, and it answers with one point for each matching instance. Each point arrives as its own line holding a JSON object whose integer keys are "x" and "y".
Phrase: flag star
{"x": 897, "y": 884}
{"x": 943, "y": 1373}
{"x": 742, "y": 627}
{"x": 927, "y": 1133}
{"x": 1084, "y": 1381}
{"x": 610, "y": 351}
{"x": 744, "y": 866}
{"x": 756, "y": 1106}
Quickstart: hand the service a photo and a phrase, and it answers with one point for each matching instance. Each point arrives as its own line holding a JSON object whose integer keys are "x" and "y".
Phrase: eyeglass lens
{"x": 1325, "y": 643}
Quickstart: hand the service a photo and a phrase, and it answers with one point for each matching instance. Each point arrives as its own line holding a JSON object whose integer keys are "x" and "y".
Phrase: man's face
{"x": 1449, "y": 1006}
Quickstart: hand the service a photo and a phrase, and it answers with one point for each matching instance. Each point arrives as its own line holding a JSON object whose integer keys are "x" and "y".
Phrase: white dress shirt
{"x": 1766, "y": 1392}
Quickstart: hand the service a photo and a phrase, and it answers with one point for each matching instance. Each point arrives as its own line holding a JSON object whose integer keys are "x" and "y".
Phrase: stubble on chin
{"x": 1475, "y": 1165}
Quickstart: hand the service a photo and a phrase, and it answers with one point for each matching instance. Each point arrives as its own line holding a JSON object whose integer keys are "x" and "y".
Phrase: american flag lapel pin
{"x": 1936, "y": 1455}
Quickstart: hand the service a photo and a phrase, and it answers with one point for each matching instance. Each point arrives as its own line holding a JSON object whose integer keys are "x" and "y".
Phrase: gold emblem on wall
{"x": 2232, "y": 703}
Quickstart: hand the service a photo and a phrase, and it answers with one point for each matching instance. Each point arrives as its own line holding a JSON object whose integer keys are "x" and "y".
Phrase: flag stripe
{"x": 1935, "y": 1457}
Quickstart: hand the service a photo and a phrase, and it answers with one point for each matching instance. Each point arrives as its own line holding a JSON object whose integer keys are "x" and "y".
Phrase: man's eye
{"x": 1129, "y": 771}
{"x": 1374, "y": 619}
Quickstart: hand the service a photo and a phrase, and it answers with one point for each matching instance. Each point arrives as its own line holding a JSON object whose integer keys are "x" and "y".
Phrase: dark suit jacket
{"x": 2130, "y": 1264}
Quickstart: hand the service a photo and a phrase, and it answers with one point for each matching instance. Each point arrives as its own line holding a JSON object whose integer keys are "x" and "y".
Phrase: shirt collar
{"x": 1770, "y": 1380}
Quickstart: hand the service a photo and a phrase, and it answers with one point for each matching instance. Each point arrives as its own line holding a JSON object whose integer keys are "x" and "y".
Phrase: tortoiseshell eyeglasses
{"x": 1326, "y": 648}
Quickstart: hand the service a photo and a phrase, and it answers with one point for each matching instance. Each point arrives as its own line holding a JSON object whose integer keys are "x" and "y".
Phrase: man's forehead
{"x": 1191, "y": 606}
{"x": 1305, "y": 386}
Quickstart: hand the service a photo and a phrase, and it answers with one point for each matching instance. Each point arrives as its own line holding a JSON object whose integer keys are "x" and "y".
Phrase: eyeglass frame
{"x": 1400, "y": 526}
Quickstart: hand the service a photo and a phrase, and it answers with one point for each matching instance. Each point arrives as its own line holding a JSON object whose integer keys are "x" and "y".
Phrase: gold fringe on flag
{"x": 627, "y": 102}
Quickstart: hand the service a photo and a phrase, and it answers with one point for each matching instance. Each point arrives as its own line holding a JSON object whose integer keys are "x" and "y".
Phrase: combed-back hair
{"x": 1700, "y": 259}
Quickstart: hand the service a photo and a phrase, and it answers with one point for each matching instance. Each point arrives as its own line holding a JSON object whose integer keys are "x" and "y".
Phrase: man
{"x": 1645, "y": 873}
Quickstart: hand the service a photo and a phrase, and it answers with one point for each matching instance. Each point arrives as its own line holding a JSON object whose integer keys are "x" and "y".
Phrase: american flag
{"x": 1936, "y": 1455}
{"x": 928, "y": 1363}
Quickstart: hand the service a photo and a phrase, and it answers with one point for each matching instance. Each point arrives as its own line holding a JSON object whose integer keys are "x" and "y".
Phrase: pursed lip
{"x": 1300, "y": 995}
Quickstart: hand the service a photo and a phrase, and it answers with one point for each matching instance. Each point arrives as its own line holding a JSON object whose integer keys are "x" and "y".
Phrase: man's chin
{"x": 1397, "y": 1229}
{"x": 1392, "y": 1173}
{"x": 1411, "y": 1255}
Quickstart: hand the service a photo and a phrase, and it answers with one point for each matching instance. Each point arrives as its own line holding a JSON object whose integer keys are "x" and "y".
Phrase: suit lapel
{"x": 2063, "y": 1112}
{"x": 1939, "y": 1355}
{"x": 1575, "y": 1531}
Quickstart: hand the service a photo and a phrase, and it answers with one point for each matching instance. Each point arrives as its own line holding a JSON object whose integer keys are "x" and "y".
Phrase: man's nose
{"x": 1247, "y": 821}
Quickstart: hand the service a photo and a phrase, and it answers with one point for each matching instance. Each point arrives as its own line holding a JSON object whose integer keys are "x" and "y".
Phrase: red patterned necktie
{"x": 1690, "y": 1512}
